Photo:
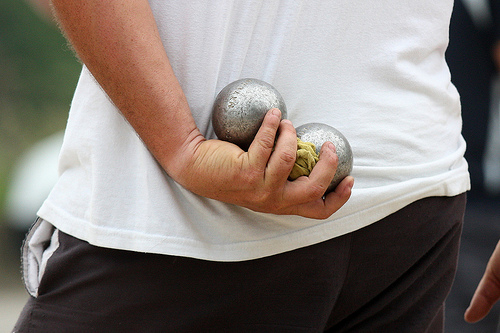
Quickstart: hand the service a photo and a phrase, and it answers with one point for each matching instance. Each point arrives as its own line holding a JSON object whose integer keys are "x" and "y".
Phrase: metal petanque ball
{"x": 240, "y": 107}
{"x": 318, "y": 134}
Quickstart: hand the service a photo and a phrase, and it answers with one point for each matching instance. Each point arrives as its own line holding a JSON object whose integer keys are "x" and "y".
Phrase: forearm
{"x": 119, "y": 42}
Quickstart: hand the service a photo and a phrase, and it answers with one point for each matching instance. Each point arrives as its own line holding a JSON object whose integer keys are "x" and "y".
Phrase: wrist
{"x": 179, "y": 159}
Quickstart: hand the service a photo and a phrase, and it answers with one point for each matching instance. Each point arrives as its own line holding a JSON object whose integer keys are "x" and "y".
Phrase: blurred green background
{"x": 38, "y": 74}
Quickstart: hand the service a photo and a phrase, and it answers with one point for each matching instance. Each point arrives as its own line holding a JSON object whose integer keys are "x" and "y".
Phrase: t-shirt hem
{"x": 240, "y": 251}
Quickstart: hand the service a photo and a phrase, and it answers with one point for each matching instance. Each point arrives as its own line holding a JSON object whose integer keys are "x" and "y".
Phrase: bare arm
{"x": 119, "y": 42}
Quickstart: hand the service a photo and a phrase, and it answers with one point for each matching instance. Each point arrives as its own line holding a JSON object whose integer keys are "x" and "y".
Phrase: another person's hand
{"x": 496, "y": 54}
{"x": 488, "y": 290}
{"x": 258, "y": 179}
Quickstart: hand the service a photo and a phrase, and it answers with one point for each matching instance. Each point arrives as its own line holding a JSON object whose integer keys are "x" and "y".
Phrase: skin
{"x": 496, "y": 54}
{"x": 488, "y": 290}
{"x": 110, "y": 38}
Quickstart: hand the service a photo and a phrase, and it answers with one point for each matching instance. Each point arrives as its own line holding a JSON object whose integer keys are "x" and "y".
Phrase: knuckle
{"x": 262, "y": 197}
{"x": 266, "y": 141}
{"x": 251, "y": 177}
{"x": 316, "y": 191}
{"x": 266, "y": 201}
{"x": 288, "y": 156}
{"x": 271, "y": 200}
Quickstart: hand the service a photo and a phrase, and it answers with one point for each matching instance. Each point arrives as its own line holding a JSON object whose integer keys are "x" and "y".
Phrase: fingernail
{"x": 331, "y": 146}
{"x": 466, "y": 316}
{"x": 276, "y": 112}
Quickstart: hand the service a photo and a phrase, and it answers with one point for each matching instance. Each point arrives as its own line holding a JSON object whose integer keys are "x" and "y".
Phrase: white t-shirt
{"x": 374, "y": 70}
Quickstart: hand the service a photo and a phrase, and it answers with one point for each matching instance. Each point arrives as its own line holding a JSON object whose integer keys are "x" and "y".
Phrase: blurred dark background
{"x": 474, "y": 59}
{"x": 38, "y": 74}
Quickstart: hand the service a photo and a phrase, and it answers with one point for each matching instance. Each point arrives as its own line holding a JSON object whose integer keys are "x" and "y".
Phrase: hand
{"x": 258, "y": 179}
{"x": 496, "y": 54}
{"x": 488, "y": 290}
{"x": 110, "y": 38}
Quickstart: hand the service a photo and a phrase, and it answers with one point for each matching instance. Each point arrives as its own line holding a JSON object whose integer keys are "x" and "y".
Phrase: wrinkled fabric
{"x": 305, "y": 161}
{"x": 373, "y": 70}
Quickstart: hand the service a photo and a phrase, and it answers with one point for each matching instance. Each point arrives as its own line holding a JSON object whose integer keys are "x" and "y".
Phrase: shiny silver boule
{"x": 318, "y": 134}
{"x": 240, "y": 107}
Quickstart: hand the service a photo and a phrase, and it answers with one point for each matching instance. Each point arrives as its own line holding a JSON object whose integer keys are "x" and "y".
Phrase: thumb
{"x": 487, "y": 292}
{"x": 482, "y": 301}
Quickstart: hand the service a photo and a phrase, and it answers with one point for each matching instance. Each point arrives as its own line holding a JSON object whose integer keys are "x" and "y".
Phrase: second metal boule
{"x": 318, "y": 133}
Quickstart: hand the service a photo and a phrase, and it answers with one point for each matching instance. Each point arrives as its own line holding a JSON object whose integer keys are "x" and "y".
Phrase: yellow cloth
{"x": 305, "y": 161}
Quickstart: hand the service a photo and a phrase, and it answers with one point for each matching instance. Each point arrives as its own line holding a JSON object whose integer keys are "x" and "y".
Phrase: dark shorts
{"x": 392, "y": 276}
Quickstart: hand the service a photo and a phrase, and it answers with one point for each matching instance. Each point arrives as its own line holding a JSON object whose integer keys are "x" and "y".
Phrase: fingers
{"x": 487, "y": 292}
{"x": 479, "y": 307}
{"x": 342, "y": 193}
{"x": 262, "y": 146}
{"x": 313, "y": 187}
{"x": 486, "y": 295}
{"x": 308, "y": 192}
{"x": 324, "y": 171}
{"x": 303, "y": 196}
{"x": 324, "y": 208}
{"x": 276, "y": 164}
{"x": 284, "y": 155}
